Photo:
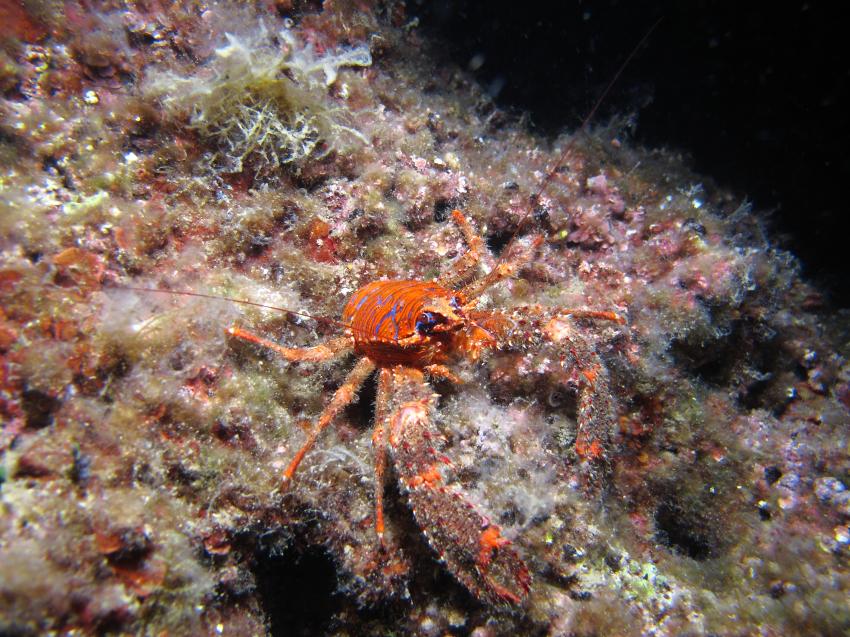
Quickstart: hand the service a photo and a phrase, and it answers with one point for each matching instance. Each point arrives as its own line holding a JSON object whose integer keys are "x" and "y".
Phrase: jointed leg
{"x": 596, "y": 414}
{"x": 503, "y": 270}
{"x": 379, "y": 444}
{"x": 472, "y": 548}
{"x": 530, "y": 327}
{"x": 342, "y": 397}
{"x": 323, "y": 352}
{"x": 443, "y": 372}
{"x": 522, "y": 326}
{"x": 470, "y": 258}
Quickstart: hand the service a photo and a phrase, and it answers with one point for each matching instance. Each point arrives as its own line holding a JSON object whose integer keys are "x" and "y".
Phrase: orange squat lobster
{"x": 407, "y": 329}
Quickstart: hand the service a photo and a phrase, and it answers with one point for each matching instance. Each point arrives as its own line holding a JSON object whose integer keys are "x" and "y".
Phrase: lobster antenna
{"x": 216, "y": 297}
{"x": 533, "y": 200}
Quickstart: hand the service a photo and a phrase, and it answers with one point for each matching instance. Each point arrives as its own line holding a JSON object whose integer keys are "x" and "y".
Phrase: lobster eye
{"x": 455, "y": 303}
{"x": 426, "y": 322}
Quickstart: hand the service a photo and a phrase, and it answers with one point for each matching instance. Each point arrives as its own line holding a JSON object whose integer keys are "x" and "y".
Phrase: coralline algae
{"x": 142, "y": 450}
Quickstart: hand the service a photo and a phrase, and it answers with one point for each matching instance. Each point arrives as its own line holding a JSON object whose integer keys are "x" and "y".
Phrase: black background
{"x": 755, "y": 93}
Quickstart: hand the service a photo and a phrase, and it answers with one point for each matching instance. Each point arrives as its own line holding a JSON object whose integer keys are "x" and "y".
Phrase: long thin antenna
{"x": 201, "y": 295}
{"x": 533, "y": 200}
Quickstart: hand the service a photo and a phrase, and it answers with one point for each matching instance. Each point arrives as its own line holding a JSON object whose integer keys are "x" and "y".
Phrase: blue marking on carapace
{"x": 391, "y": 315}
{"x": 373, "y": 309}
{"x": 362, "y": 301}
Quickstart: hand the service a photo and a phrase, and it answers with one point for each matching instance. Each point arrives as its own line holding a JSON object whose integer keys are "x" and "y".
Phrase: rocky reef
{"x": 285, "y": 155}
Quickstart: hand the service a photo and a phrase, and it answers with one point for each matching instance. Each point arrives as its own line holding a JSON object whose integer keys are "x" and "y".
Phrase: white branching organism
{"x": 265, "y": 97}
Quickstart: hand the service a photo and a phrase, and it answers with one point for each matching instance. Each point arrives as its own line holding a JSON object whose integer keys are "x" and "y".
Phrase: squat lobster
{"x": 407, "y": 329}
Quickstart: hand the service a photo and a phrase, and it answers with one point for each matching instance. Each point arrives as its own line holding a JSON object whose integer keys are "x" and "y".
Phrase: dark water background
{"x": 757, "y": 94}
